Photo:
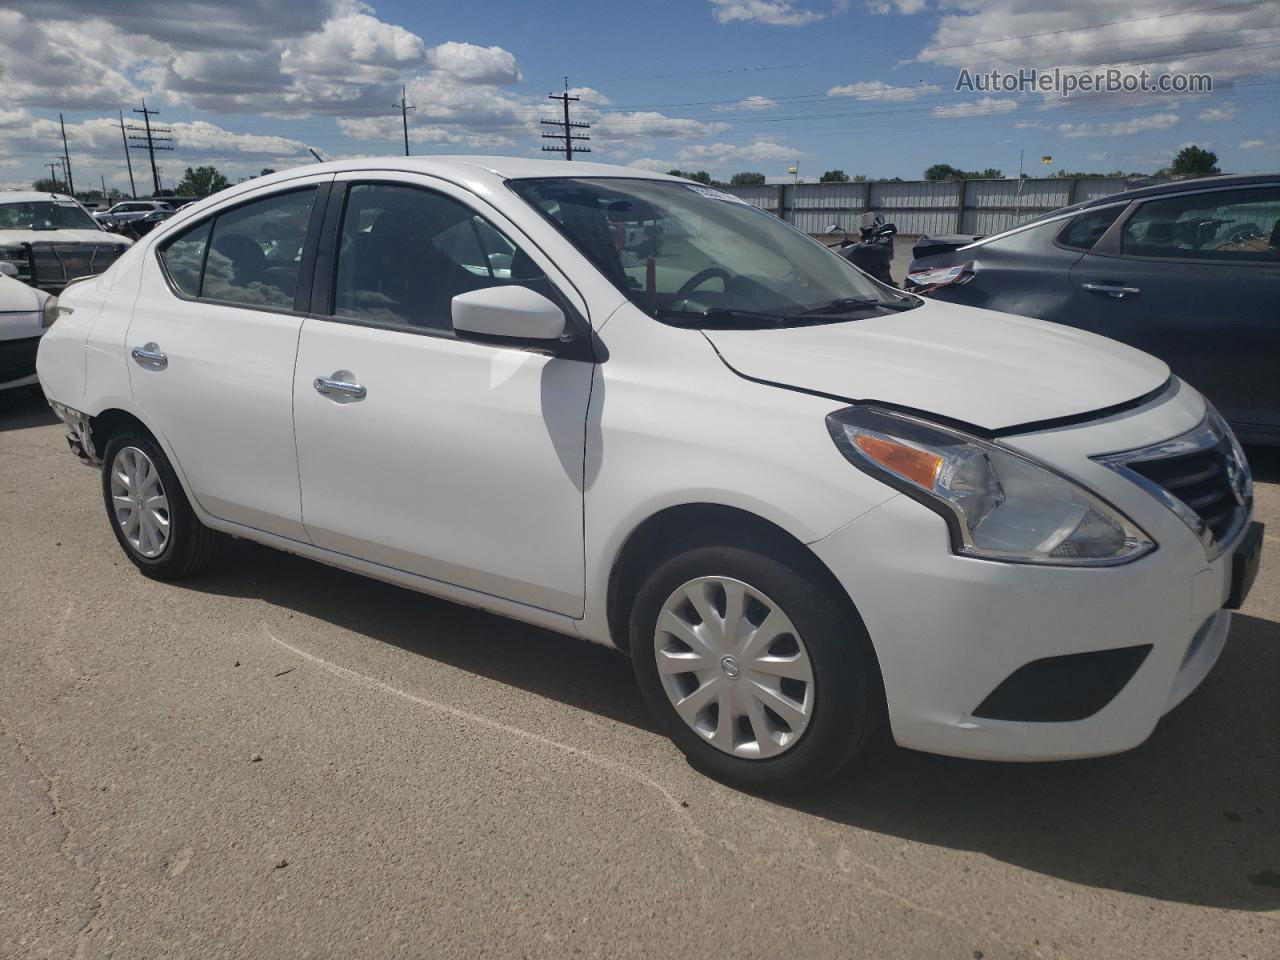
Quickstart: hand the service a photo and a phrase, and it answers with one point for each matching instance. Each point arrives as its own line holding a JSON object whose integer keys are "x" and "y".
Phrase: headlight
{"x": 998, "y": 504}
{"x": 49, "y": 312}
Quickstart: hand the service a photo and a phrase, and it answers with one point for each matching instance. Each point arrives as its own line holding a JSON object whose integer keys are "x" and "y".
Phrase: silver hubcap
{"x": 139, "y": 502}
{"x": 734, "y": 667}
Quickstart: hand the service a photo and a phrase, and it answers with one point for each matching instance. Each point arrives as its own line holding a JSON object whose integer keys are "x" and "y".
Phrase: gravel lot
{"x": 282, "y": 760}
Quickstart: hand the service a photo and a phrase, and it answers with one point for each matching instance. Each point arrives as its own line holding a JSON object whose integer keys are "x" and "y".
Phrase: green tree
{"x": 701, "y": 176}
{"x": 1192, "y": 161}
{"x": 266, "y": 171}
{"x": 201, "y": 182}
{"x": 834, "y": 176}
{"x": 945, "y": 171}
{"x": 746, "y": 178}
{"x": 48, "y": 185}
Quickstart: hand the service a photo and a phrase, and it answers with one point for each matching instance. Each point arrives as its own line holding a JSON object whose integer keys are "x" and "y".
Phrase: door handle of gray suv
{"x": 340, "y": 387}
{"x": 149, "y": 355}
{"x": 1114, "y": 291}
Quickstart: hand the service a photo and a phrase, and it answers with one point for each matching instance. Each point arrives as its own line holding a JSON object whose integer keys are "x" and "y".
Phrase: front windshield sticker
{"x": 715, "y": 194}
{"x": 66, "y": 203}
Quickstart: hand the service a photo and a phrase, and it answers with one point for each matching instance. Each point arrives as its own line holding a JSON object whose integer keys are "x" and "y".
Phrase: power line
{"x": 1137, "y": 57}
{"x": 956, "y": 46}
{"x": 150, "y": 142}
{"x": 568, "y": 126}
{"x": 404, "y": 117}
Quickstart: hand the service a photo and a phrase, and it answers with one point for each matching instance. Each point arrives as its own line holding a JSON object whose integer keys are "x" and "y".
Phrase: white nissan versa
{"x": 630, "y": 408}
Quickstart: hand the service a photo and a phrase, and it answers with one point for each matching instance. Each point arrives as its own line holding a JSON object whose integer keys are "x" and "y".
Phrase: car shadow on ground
{"x": 23, "y": 407}
{"x": 1191, "y": 816}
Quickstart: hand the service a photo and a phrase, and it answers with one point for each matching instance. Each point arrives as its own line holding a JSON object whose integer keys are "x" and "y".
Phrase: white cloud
{"x": 473, "y": 64}
{"x": 966, "y": 36}
{"x": 748, "y": 103}
{"x": 1252, "y": 144}
{"x": 977, "y": 108}
{"x": 879, "y": 90}
{"x": 777, "y": 13}
{"x": 761, "y": 150}
{"x": 354, "y": 43}
{"x": 1119, "y": 128}
{"x": 906, "y": 7}
{"x": 1216, "y": 114}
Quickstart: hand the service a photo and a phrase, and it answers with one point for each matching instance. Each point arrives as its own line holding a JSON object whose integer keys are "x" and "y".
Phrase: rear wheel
{"x": 149, "y": 512}
{"x": 760, "y": 675}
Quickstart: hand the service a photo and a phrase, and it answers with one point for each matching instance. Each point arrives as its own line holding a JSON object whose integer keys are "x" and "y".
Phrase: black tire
{"x": 849, "y": 692}
{"x": 191, "y": 546}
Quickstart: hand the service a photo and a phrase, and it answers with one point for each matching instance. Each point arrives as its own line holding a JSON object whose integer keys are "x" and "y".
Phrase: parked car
{"x": 48, "y": 240}
{"x": 1187, "y": 271}
{"x": 803, "y": 502}
{"x": 129, "y": 210}
{"x": 22, "y": 320}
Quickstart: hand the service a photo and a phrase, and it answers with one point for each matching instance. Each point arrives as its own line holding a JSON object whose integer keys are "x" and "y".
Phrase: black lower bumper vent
{"x": 1061, "y": 689}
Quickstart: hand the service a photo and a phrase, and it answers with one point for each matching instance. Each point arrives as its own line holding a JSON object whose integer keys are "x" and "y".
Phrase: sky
{"x": 865, "y": 86}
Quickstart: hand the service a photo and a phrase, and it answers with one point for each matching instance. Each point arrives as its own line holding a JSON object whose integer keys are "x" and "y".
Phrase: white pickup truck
{"x": 47, "y": 240}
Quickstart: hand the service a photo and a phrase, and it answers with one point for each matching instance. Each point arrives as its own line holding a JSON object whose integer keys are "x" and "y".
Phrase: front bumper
{"x": 950, "y": 630}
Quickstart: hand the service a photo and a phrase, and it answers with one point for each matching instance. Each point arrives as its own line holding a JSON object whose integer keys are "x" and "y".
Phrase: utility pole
{"x": 53, "y": 174}
{"x": 103, "y": 178}
{"x": 568, "y": 136}
{"x": 125, "y": 140}
{"x": 150, "y": 142}
{"x": 66, "y": 155}
{"x": 404, "y": 117}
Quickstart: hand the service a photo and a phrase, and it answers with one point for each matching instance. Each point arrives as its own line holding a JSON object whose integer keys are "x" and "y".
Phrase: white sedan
{"x": 630, "y": 408}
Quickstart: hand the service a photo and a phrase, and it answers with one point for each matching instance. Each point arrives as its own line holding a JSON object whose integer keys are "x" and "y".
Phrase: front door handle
{"x": 1114, "y": 291}
{"x": 341, "y": 387}
{"x": 149, "y": 355}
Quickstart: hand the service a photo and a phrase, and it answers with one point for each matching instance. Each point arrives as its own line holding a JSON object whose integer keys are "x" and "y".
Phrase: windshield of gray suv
{"x": 694, "y": 256}
{"x": 45, "y": 215}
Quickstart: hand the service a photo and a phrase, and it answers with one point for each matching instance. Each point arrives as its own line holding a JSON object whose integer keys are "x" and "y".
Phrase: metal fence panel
{"x": 930, "y": 206}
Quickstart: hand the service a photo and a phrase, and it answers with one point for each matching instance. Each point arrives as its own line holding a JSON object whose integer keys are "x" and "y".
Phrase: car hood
{"x": 9, "y": 237}
{"x": 990, "y": 370}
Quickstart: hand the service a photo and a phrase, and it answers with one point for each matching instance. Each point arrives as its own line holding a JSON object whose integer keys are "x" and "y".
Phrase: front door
{"x": 212, "y": 342}
{"x": 454, "y": 460}
{"x": 1194, "y": 279}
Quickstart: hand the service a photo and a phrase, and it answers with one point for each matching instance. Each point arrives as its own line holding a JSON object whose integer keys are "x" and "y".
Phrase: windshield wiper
{"x": 722, "y": 317}
{"x": 855, "y": 305}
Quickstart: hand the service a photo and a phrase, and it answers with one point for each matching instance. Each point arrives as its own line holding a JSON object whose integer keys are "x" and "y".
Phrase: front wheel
{"x": 760, "y": 675}
{"x": 149, "y": 512}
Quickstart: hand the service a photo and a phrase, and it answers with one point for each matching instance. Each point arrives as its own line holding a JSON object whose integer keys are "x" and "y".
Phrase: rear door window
{"x": 1226, "y": 225}
{"x": 255, "y": 251}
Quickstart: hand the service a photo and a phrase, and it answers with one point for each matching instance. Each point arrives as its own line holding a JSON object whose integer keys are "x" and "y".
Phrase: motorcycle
{"x": 873, "y": 253}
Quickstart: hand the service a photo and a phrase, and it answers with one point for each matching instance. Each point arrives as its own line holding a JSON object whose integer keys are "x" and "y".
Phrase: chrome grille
{"x": 55, "y": 264}
{"x": 1202, "y": 476}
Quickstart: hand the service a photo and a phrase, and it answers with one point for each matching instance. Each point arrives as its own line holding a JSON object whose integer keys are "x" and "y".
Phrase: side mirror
{"x": 507, "y": 313}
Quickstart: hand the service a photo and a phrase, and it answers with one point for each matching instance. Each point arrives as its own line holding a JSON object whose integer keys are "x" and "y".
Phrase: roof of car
{"x": 1181, "y": 186}
{"x": 28, "y": 196}
{"x": 508, "y": 168}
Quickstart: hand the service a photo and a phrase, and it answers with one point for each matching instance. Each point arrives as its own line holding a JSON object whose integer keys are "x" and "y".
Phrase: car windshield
{"x": 45, "y": 215}
{"x": 695, "y": 256}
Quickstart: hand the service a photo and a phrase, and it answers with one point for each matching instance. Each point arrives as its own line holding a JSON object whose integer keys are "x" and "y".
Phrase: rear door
{"x": 212, "y": 346}
{"x": 1195, "y": 280}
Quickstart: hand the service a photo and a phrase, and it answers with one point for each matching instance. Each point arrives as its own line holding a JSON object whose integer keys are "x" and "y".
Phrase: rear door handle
{"x": 341, "y": 387}
{"x": 1115, "y": 291}
{"x": 149, "y": 355}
